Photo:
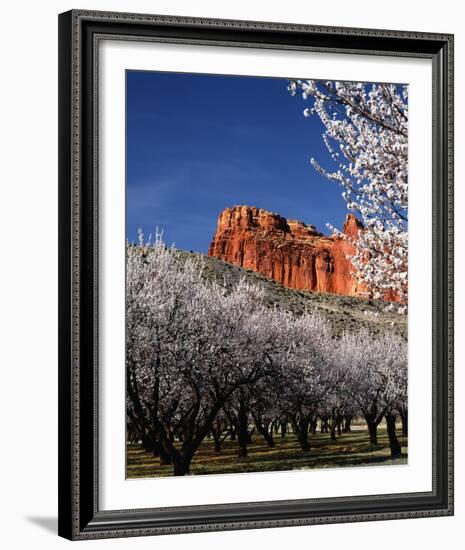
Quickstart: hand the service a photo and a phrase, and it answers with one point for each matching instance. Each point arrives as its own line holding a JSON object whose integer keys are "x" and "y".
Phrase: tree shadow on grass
{"x": 351, "y": 450}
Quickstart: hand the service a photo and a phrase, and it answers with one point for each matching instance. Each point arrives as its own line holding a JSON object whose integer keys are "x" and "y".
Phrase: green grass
{"x": 350, "y": 450}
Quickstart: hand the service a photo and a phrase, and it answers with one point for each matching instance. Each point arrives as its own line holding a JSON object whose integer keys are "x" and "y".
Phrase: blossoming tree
{"x": 372, "y": 373}
{"x": 190, "y": 346}
{"x": 366, "y": 134}
{"x": 204, "y": 359}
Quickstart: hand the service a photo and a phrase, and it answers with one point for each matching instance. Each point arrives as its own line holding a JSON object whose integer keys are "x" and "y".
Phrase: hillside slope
{"x": 343, "y": 312}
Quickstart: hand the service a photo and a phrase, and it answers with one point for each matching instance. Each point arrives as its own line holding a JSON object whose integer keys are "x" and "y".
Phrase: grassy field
{"x": 350, "y": 450}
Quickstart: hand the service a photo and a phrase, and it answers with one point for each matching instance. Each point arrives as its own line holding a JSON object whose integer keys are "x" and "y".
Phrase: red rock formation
{"x": 288, "y": 251}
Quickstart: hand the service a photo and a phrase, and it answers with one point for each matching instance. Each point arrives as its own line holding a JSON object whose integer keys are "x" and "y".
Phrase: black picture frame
{"x": 79, "y": 515}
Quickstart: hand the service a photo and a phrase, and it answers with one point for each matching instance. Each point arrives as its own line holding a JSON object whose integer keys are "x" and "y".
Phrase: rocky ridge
{"x": 290, "y": 252}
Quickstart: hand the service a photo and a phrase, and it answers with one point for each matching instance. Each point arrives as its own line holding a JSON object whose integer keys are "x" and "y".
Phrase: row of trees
{"x": 205, "y": 360}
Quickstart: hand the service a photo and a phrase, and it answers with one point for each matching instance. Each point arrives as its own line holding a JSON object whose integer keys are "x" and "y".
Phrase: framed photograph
{"x": 256, "y": 304}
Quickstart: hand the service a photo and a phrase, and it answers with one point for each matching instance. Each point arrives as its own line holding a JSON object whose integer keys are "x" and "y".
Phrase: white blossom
{"x": 200, "y": 357}
{"x": 365, "y": 133}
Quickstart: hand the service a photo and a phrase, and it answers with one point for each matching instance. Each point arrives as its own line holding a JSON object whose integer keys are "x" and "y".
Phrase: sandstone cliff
{"x": 288, "y": 251}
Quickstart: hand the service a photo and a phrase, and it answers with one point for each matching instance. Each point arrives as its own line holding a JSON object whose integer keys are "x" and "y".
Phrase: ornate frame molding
{"x": 79, "y": 35}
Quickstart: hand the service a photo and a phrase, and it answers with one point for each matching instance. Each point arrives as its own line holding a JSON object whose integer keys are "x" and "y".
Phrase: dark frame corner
{"x": 79, "y": 516}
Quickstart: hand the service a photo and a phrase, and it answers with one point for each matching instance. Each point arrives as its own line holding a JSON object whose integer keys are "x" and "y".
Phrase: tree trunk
{"x": 396, "y": 450}
{"x": 347, "y": 421}
{"x": 243, "y": 440}
{"x": 181, "y": 467}
{"x": 303, "y": 440}
{"x": 333, "y": 432}
{"x": 243, "y": 436}
{"x": 404, "y": 418}
{"x": 301, "y": 432}
{"x": 339, "y": 427}
{"x": 283, "y": 429}
{"x": 148, "y": 443}
{"x": 263, "y": 431}
{"x": 313, "y": 425}
{"x": 151, "y": 445}
{"x": 372, "y": 430}
{"x": 268, "y": 438}
{"x": 216, "y": 435}
{"x": 165, "y": 458}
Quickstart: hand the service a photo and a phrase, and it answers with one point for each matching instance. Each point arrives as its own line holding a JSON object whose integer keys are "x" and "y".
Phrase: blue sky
{"x": 197, "y": 144}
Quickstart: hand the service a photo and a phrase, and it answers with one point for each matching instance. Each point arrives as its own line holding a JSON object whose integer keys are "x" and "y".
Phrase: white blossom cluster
{"x": 202, "y": 359}
{"x": 372, "y": 374}
{"x": 366, "y": 134}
